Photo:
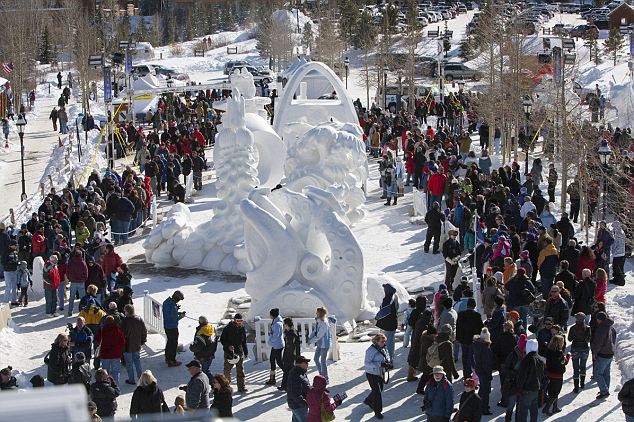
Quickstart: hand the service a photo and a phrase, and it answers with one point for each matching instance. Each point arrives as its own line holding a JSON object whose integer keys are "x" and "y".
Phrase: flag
{"x": 7, "y": 67}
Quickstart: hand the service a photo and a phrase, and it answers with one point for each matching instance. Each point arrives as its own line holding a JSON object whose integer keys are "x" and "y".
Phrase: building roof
{"x": 621, "y": 8}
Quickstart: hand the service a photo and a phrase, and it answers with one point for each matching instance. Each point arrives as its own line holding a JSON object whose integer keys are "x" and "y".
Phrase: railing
{"x": 304, "y": 326}
{"x": 419, "y": 198}
{"x": 153, "y": 314}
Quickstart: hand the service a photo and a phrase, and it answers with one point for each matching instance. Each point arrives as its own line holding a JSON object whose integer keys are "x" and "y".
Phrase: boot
{"x": 556, "y": 408}
{"x": 508, "y": 416}
{"x": 271, "y": 380}
{"x": 546, "y": 409}
{"x": 411, "y": 374}
{"x": 389, "y": 201}
{"x": 582, "y": 383}
{"x": 395, "y": 200}
{"x": 576, "y": 389}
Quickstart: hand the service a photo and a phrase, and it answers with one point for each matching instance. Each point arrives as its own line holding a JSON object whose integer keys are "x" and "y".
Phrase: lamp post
{"x": 385, "y": 90}
{"x": 400, "y": 91}
{"x": 605, "y": 153}
{"x": 528, "y": 107}
{"x": 170, "y": 97}
{"x": 20, "y": 124}
{"x": 346, "y": 62}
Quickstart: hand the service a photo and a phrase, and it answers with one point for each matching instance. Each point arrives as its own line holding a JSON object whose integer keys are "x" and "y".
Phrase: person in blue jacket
{"x": 438, "y": 399}
{"x": 276, "y": 342}
{"x": 171, "y": 316}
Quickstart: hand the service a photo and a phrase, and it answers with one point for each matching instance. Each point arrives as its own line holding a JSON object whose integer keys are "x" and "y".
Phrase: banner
{"x": 128, "y": 63}
{"x": 107, "y": 84}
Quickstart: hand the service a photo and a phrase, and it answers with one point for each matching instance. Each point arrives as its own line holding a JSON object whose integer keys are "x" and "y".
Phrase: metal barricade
{"x": 153, "y": 314}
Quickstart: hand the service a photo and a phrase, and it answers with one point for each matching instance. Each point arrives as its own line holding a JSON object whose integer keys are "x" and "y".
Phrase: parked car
{"x": 259, "y": 73}
{"x": 585, "y": 93}
{"x": 230, "y": 65}
{"x": 460, "y": 71}
{"x": 168, "y": 71}
{"x": 143, "y": 70}
{"x": 582, "y": 31}
{"x": 561, "y": 29}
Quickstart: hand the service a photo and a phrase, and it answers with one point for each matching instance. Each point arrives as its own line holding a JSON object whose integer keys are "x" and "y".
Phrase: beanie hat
{"x": 237, "y": 316}
{"x": 531, "y": 346}
{"x": 521, "y": 343}
{"x": 470, "y": 382}
{"x": 446, "y": 329}
{"x": 485, "y": 335}
{"x": 524, "y": 254}
{"x": 521, "y": 271}
{"x": 514, "y": 314}
{"x": 498, "y": 276}
{"x": 471, "y": 303}
{"x": 601, "y": 316}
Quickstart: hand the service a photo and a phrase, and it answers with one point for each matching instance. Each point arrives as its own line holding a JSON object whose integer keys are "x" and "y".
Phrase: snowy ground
{"x": 390, "y": 243}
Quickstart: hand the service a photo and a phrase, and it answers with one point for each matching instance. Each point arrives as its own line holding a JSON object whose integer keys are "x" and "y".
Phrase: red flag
{"x": 7, "y": 67}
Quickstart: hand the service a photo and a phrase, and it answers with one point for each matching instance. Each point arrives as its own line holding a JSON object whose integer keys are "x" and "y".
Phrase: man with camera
{"x": 171, "y": 316}
{"x": 234, "y": 344}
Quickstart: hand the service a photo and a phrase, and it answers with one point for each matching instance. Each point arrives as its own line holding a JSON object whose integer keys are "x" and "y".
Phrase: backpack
{"x": 432, "y": 356}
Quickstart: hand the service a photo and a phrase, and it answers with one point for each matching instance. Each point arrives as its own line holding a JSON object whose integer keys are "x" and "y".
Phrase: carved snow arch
{"x": 313, "y": 111}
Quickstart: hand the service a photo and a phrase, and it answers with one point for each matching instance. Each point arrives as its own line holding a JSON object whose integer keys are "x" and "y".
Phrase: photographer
{"x": 377, "y": 362}
{"x": 171, "y": 316}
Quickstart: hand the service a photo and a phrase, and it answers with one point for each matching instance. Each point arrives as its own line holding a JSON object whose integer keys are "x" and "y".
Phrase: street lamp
{"x": 528, "y": 107}
{"x": 346, "y": 62}
{"x": 385, "y": 90}
{"x": 605, "y": 153}
{"x": 20, "y": 124}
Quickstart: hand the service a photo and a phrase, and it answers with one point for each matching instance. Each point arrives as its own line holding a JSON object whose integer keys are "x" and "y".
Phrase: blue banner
{"x": 128, "y": 63}
{"x": 107, "y": 84}
{"x": 631, "y": 44}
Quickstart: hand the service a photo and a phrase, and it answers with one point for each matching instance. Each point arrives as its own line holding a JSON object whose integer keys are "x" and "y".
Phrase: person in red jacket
{"x": 38, "y": 242}
{"x": 317, "y": 397}
{"x": 436, "y": 186}
{"x": 200, "y": 138}
{"x": 110, "y": 263}
{"x": 111, "y": 341}
{"x": 51, "y": 284}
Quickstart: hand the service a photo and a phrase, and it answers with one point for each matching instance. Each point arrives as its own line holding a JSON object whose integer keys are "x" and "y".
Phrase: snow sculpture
{"x": 312, "y": 110}
{"x": 165, "y": 245}
{"x": 332, "y": 157}
{"x": 320, "y": 264}
{"x": 211, "y": 245}
{"x": 270, "y": 150}
{"x": 320, "y": 259}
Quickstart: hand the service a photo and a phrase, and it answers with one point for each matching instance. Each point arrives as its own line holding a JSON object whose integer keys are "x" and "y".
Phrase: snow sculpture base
{"x": 38, "y": 278}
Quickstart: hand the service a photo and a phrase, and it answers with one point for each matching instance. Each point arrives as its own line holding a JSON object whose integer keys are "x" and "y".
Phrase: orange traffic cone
{"x": 59, "y": 141}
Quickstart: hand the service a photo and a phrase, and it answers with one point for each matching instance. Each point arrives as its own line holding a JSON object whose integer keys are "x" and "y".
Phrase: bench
{"x": 432, "y": 33}
{"x": 199, "y": 53}
{"x": 232, "y": 50}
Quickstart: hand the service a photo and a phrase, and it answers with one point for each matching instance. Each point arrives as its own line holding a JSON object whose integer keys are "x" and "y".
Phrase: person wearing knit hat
{"x": 470, "y": 402}
{"x": 514, "y": 315}
{"x": 7, "y": 381}
{"x": 483, "y": 366}
{"x": 445, "y": 351}
{"x": 498, "y": 276}
{"x": 529, "y": 381}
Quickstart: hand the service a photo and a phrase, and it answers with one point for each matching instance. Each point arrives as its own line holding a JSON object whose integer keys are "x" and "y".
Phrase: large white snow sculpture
{"x": 302, "y": 254}
{"x": 332, "y": 157}
{"x": 270, "y": 151}
{"x": 211, "y": 245}
{"x": 295, "y": 106}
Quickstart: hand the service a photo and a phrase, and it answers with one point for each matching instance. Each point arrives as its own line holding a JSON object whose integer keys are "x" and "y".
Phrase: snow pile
{"x": 289, "y": 19}
{"x": 166, "y": 243}
{"x": 623, "y": 316}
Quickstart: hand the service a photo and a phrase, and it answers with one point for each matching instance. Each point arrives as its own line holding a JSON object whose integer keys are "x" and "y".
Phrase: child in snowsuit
{"x": 24, "y": 282}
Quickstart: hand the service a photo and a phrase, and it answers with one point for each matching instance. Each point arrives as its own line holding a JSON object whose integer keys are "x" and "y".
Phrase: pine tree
{"x": 264, "y": 42}
{"x": 592, "y": 45}
{"x": 348, "y": 17}
{"x": 614, "y": 43}
{"x": 308, "y": 39}
{"x": 44, "y": 55}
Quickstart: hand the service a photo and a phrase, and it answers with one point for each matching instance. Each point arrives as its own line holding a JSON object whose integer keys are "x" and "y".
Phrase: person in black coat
{"x": 104, "y": 392}
{"x": 147, "y": 397}
{"x": 80, "y": 372}
{"x": 434, "y": 219}
{"x": 557, "y": 308}
{"x": 292, "y": 345}
{"x": 469, "y": 409}
{"x": 451, "y": 251}
{"x": 584, "y": 294}
{"x": 234, "y": 341}
{"x": 468, "y": 324}
{"x": 570, "y": 253}
{"x": 529, "y": 381}
{"x": 59, "y": 360}
{"x": 223, "y": 401}
{"x": 482, "y": 363}
{"x": 389, "y": 322}
{"x": 423, "y": 321}
{"x": 564, "y": 226}
{"x": 626, "y": 397}
{"x": 567, "y": 277}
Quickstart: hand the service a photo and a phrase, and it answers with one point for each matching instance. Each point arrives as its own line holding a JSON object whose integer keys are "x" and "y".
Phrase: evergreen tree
{"x": 348, "y": 17}
{"x": 263, "y": 35}
{"x": 614, "y": 43}
{"x": 44, "y": 55}
{"x": 592, "y": 45}
{"x": 308, "y": 38}
{"x": 365, "y": 32}
{"x": 227, "y": 20}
